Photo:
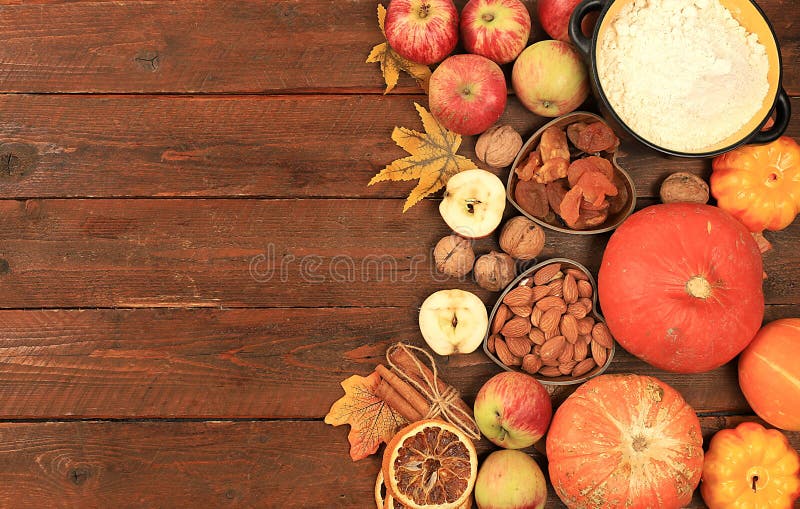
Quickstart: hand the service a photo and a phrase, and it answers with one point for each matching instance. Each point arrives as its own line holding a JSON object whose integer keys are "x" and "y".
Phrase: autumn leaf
{"x": 433, "y": 158}
{"x": 371, "y": 420}
{"x": 392, "y": 63}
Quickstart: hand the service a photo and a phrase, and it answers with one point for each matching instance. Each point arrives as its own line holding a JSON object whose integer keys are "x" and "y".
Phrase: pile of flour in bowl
{"x": 682, "y": 74}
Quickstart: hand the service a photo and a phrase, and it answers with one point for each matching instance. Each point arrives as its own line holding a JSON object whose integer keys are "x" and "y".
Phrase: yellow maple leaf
{"x": 392, "y": 63}
{"x": 371, "y": 420}
{"x": 433, "y": 158}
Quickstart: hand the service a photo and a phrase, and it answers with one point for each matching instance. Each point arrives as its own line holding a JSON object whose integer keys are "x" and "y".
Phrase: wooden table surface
{"x": 188, "y": 250}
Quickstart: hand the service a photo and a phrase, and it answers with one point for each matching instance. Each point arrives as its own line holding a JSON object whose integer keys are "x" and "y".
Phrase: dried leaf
{"x": 433, "y": 158}
{"x": 371, "y": 420}
{"x": 392, "y": 63}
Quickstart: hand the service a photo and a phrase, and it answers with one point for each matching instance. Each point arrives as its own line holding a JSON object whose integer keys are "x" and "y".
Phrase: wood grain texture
{"x": 277, "y": 146}
{"x": 219, "y": 46}
{"x": 262, "y": 253}
{"x": 246, "y": 363}
{"x": 210, "y": 464}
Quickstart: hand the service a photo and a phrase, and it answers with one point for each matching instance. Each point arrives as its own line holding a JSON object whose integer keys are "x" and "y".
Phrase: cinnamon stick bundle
{"x": 397, "y": 402}
{"x": 411, "y": 396}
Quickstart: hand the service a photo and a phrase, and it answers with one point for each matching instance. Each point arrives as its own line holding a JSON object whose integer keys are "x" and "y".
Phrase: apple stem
{"x": 487, "y": 17}
{"x": 755, "y": 481}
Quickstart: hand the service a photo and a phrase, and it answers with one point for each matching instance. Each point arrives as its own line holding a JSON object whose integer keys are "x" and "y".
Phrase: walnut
{"x": 494, "y": 271}
{"x": 498, "y": 146}
{"x": 684, "y": 187}
{"x": 522, "y": 238}
{"x": 454, "y": 256}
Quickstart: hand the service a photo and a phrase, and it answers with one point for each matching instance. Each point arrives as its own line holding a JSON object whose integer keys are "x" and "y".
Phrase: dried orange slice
{"x": 430, "y": 464}
{"x": 386, "y": 501}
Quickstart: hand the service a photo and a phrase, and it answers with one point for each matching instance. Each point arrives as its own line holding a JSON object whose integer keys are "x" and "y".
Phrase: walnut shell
{"x": 498, "y": 146}
{"x": 684, "y": 187}
{"x": 454, "y": 255}
{"x": 522, "y": 238}
{"x": 494, "y": 271}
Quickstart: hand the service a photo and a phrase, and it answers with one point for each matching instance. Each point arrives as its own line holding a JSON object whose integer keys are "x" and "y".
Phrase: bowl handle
{"x": 583, "y": 43}
{"x": 783, "y": 110}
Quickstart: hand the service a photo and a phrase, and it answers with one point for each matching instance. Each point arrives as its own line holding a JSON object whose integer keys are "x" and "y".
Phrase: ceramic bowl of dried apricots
{"x": 546, "y": 324}
{"x": 566, "y": 177}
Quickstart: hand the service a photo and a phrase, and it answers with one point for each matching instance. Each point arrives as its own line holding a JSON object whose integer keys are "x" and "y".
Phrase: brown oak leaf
{"x": 371, "y": 420}
{"x": 392, "y": 63}
{"x": 433, "y": 158}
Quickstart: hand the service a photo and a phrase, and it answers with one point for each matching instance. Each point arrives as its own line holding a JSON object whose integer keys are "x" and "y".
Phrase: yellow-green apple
{"x": 510, "y": 480}
{"x": 550, "y": 78}
{"x": 473, "y": 203}
{"x": 495, "y": 29}
{"x": 513, "y": 410}
{"x": 467, "y": 93}
{"x": 453, "y": 321}
{"x": 423, "y": 31}
{"x": 554, "y": 17}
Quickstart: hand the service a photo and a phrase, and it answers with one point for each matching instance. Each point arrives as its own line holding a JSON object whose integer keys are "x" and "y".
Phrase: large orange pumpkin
{"x": 769, "y": 373}
{"x": 625, "y": 441}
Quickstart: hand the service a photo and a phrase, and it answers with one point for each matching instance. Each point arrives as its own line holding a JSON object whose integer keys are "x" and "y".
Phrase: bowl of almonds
{"x": 546, "y": 324}
{"x": 566, "y": 177}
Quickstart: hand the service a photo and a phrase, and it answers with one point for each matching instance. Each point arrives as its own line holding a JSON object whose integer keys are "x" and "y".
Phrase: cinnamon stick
{"x": 419, "y": 402}
{"x": 392, "y": 398}
{"x": 409, "y": 364}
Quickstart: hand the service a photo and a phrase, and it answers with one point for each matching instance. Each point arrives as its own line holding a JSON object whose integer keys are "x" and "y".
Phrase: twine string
{"x": 442, "y": 403}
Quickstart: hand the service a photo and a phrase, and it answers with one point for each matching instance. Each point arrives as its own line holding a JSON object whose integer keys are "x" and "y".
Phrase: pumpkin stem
{"x": 698, "y": 287}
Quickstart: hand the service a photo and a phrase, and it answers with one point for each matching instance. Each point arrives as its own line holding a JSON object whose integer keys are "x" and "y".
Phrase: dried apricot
{"x": 551, "y": 170}
{"x": 596, "y": 187}
{"x": 555, "y": 194}
{"x": 528, "y": 167}
{"x": 590, "y": 219}
{"x": 571, "y": 206}
{"x": 594, "y": 137}
{"x": 532, "y": 198}
{"x": 592, "y": 163}
{"x": 553, "y": 144}
{"x": 587, "y": 205}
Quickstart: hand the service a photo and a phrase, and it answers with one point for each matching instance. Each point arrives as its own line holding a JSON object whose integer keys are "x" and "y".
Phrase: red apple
{"x": 467, "y": 93}
{"x": 423, "y": 31}
{"x": 554, "y": 17}
{"x": 510, "y": 480}
{"x": 550, "y": 78}
{"x": 495, "y": 29}
{"x": 513, "y": 410}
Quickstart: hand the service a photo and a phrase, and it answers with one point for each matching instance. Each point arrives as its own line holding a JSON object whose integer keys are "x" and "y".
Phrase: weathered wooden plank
{"x": 277, "y": 146}
{"x": 203, "y": 464}
{"x": 263, "y": 253}
{"x": 202, "y": 47}
{"x": 248, "y": 363}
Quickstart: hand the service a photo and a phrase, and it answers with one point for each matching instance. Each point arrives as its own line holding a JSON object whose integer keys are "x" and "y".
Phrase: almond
{"x": 536, "y": 316}
{"x": 566, "y": 355}
{"x": 552, "y": 348}
{"x": 583, "y": 367}
{"x": 536, "y": 336}
{"x": 517, "y": 326}
{"x": 552, "y": 301}
{"x": 549, "y": 321}
{"x": 602, "y": 335}
{"x": 519, "y": 346}
{"x": 490, "y": 342}
{"x": 577, "y": 310}
{"x": 537, "y": 349}
{"x": 501, "y": 316}
{"x": 523, "y": 311}
{"x": 579, "y": 275}
{"x": 581, "y": 350}
{"x": 569, "y": 328}
{"x": 599, "y": 353}
{"x": 551, "y": 333}
{"x": 585, "y": 325}
{"x": 585, "y": 289}
{"x": 556, "y": 287}
{"x": 585, "y": 302}
{"x": 570, "y": 289}
{"x": 531, "y": 363}
{"x": 540, "y": 292}
{"x": 550, "y": 371}
{"x": 567, "y": 367}
{"x": 547, "y": 274}
{"x": 519, "y": 296}
{"x": 505, "y": 355}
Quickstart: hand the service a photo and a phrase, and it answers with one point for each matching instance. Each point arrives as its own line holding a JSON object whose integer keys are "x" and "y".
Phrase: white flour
{"x": 683, "y": 74}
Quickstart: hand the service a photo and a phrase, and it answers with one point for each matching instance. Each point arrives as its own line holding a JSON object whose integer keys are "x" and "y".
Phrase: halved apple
{"x": 473, "y": 203}
{"x": 453, "y": 321}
